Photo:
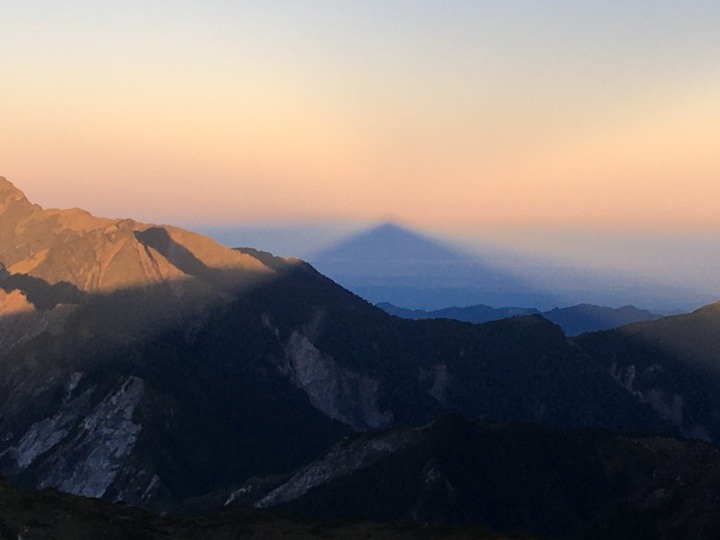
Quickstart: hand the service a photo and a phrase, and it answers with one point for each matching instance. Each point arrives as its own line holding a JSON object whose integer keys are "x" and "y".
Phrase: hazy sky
{"x": 455, "y": 116}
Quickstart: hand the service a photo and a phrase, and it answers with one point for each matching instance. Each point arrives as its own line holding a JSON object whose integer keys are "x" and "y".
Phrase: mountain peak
{"x": 9, "y": 194}
{"x": 75, "y": 248}
{"x": 6, "y": 184}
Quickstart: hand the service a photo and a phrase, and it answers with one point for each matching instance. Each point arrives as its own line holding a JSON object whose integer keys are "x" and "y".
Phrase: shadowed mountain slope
{"x": 672, "y": 364}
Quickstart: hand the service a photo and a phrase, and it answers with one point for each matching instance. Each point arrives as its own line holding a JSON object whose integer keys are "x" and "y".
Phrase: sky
{"x": 516, "y": 121}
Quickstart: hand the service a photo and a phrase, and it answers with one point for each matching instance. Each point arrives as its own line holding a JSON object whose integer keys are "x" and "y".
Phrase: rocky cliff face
{"x": 672, "y": 364}
{"x": 83, "y": 301}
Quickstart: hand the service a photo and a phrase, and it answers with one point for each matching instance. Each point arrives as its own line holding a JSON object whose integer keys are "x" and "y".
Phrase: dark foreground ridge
{"x": 39, "y": 515}
{"x": 513, "y": 478}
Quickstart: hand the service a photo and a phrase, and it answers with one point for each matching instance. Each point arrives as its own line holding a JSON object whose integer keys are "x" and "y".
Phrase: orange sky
{"x": 452, "y": 116}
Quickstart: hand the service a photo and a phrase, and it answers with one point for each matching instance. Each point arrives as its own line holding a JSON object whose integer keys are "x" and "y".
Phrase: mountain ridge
{"x": 574, "y": 320}
{"x": 100, "y": 254}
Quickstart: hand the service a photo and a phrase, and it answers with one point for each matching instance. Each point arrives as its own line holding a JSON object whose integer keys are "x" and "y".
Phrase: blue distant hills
{"x": 574, "y": 320}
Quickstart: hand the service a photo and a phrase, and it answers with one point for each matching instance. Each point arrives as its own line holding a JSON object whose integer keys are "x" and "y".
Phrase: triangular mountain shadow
{"x": 389, "y": 242}
{"x": 390, "y": 263}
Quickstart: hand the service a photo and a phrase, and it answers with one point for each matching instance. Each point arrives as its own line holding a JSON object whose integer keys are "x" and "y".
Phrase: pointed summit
{"x": 73, "y": 247}
{"x": 11, "y": 196}
{"x": 6, "y": 185}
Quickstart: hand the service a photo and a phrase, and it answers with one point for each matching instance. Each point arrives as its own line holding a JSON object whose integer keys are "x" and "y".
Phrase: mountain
{"x": 393, "y": 264}
{"x": 266, "y": 383}
{"x": 102, "y": 390}
{"x": 514, "y": 478}
{"x": 212, "y": 365}
{"x": 574, "y": 320}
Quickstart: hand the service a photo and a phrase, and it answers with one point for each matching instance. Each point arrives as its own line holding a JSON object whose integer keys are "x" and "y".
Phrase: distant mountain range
{"x": 574, "y": 320}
